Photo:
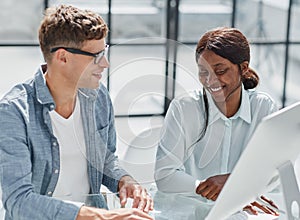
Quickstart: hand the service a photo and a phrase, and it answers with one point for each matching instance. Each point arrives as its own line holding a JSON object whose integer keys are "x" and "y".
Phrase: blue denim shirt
{"x": 29, "y": 152}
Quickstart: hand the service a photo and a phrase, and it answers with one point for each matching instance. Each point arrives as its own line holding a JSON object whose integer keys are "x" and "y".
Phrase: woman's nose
{"x": 211, "y": 78}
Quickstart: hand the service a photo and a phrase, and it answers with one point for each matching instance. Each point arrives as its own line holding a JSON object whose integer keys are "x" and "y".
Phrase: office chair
{"x": 139, "y": 157}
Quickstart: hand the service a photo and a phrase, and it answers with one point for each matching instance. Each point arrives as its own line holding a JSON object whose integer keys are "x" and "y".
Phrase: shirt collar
{"x": 89, "y": 93}
{"x": 42, "y": 92}
{"x": 244, "y": 111}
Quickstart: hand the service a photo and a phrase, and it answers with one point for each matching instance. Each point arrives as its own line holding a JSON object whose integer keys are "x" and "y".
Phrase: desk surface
{"x": 178, "y": 207}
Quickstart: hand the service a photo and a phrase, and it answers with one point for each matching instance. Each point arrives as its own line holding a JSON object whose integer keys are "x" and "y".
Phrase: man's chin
{"x": 94, "y": 85}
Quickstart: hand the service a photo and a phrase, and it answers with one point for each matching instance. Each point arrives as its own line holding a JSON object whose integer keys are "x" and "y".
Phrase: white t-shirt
{"x": 73, "y": 181}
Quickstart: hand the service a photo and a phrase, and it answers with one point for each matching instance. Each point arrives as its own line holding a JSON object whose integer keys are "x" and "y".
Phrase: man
{"x": 57, "y": 138}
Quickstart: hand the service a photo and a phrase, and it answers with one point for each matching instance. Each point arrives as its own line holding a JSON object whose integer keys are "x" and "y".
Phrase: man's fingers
{"x": 146, "y": 202}
{"x": 123, "y": 197}
{"x": 141, "y": 200}
{"x": 150, "y": 204}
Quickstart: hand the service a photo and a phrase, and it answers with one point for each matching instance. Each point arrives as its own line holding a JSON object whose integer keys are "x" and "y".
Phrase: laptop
{"x": 275, "y": 142}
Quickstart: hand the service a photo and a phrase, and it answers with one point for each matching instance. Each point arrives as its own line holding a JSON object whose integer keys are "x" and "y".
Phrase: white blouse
{"x": 182, "y": 162}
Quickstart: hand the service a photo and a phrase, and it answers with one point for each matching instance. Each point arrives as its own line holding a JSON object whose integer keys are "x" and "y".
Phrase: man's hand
{"x": 263, "y": 207}
{"x": 211, "y": 187}
{"x": 129, "y": 188}
{"x": 89, "y": 213}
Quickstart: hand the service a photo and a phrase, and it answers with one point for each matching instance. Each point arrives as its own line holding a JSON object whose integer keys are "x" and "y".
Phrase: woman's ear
{"x": 244, "y": 66}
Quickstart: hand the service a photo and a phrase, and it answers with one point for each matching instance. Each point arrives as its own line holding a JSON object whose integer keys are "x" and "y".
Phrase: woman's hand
{"x": 211, "y": 187}
{"x": 262, "y": 206}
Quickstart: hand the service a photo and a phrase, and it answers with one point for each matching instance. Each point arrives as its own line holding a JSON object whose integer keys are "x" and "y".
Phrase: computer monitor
{"x": 275, "y": 142}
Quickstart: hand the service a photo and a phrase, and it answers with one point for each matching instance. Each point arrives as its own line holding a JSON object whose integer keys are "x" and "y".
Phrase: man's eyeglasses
{"x": 98, "y": 56}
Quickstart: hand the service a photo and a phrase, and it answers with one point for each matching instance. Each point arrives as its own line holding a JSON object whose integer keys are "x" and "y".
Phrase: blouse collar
{"x": 244, "y": 111}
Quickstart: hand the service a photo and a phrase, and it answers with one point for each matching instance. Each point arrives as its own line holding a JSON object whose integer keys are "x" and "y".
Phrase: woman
{"x": 205, "y": 133}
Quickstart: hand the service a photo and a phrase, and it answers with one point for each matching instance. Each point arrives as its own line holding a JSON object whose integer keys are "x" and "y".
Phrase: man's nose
{"x": 104, "y": 62}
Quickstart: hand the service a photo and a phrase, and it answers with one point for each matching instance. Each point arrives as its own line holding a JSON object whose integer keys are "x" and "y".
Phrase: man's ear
{"x": 60, "y": 56}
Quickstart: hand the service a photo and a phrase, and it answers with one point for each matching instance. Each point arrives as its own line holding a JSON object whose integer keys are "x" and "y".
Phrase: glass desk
{"x": 178, "y": 207}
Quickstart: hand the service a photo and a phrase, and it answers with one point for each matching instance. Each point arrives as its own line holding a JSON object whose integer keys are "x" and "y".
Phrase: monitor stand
{"x": 290, "y": 190}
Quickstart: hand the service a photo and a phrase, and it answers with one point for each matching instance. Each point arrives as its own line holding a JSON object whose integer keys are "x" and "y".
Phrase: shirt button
{"x": 51, "y": 107}
{"x": 56, "y": 171}
{"x": 49, "y": 193}
{"x": 54, "y": 144}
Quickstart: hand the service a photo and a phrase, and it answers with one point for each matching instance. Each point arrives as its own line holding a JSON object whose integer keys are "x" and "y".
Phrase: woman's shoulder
{"x": 260, "y": 96}
{"x": 262, "y": 99}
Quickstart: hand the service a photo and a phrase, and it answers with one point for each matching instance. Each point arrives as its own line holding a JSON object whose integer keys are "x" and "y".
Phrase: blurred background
{"x": 152, "y": 44}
